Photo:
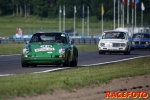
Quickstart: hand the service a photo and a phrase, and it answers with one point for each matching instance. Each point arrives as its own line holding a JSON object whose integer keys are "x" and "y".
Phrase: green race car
{"x": 49, "y": 48}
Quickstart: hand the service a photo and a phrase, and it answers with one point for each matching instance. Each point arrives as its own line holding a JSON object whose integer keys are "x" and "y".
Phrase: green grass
{"x": 8, "y": 49}
{"x": 34, "y": 84}
{"x": 30, "y": 25}
{"x": 87, "y": 47}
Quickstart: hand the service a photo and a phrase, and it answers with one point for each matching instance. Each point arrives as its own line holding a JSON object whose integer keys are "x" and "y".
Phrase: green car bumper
{"x": 44, "y": 60}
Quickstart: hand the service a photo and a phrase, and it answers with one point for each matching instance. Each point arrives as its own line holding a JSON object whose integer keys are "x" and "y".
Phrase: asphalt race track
{"x": 11, "y": 64}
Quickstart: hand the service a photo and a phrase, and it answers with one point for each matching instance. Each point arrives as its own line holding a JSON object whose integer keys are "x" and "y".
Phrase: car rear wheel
{"x": 24, "y": 64}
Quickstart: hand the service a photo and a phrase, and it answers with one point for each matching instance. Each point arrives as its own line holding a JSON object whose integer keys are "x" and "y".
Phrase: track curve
{"x": 11, "y": 64}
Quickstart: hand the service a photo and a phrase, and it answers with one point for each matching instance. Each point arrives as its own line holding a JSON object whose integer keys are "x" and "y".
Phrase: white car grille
{"x": 116, "y": 45}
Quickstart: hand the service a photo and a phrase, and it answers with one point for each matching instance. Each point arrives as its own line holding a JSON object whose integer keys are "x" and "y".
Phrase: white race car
{"x": 115, "y": 41}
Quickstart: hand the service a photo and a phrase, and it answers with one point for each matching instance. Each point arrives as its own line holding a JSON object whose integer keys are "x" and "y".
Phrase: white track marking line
{"x": 9, "y": 55}
{"x": 58, "y": 69}
{"x": 116, "y": 61}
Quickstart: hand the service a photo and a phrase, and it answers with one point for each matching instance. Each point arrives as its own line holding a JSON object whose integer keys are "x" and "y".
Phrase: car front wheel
{"x": 67, "y": 63}
{"x": 127, "y": 53}
{"x": 132, "y": 49}
{"x": 24, "y": 64}
{"x": 33, "y": 65}
{"x": 101, "y": 52}
{"x": 75, "y": 62}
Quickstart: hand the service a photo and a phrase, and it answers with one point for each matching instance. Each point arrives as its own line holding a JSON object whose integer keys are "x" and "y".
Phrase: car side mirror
{"x": 27, "y": 42}
{"x": 99, "y": 38}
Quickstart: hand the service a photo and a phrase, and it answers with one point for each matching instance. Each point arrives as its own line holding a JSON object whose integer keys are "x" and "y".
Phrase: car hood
{"x": 45, "y": 49}
{"x": 141, "y": 39}
{"x": 113, "y": 40}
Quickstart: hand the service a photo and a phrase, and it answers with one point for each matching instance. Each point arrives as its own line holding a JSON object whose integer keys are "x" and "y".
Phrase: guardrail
{"x": 75, "y": 40}
{"x": 85, "y": 40}
{"x": 6, "y": 41}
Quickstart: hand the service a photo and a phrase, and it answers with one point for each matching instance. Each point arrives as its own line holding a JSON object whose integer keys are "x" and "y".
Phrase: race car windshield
{"x": 49, "y": 37}
{"x": 141, "y": 36}
{"x": 114, "y": 35}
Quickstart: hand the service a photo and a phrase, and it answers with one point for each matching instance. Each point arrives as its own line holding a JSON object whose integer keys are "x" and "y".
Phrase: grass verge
{"x": 8, "y": 49}
{"x": 17, "y": 48}
{"x": 34, "y": 84}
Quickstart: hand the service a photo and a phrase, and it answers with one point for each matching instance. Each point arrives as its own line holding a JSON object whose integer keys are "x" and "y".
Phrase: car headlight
{"x": 123, "y": 44}
{"x": 61, "y": 50}
{"x": 26, "y": 50}
{"x": 133, "y": 43}
{"x": 102, "y": 44}
{"x": 147, "y": 43}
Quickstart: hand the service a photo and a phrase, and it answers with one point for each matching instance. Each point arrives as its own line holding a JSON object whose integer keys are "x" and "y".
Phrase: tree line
{"x": 50, "y": 8}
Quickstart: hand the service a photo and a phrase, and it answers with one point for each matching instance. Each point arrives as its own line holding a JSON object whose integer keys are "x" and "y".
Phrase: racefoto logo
{"x": 127, "y": 94}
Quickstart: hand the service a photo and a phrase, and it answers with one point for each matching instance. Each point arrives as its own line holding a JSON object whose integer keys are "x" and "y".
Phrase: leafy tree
{"x": 41, "y": 7}
{"x": 50, "y": 8}
{"x": 5, "y": 7}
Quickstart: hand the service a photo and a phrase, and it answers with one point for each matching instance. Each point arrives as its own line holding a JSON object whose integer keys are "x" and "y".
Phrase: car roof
{"x": 115, "y": 31}
{"x": 142, "y": 33}
{"x": 118, "y": 30}
{"x": 122, "y": 29}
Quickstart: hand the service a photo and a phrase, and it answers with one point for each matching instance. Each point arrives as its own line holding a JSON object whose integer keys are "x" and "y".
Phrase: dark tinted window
{"x": 141, "y": 36}
{"x": 114, "y": 35}
{"x": 49, "y": 37}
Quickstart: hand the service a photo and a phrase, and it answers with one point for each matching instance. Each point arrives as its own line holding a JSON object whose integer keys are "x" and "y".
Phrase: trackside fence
{"x": 85, "y": 40}
{"x": 74, "y": 40}
{"x": 6, "y": 41}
